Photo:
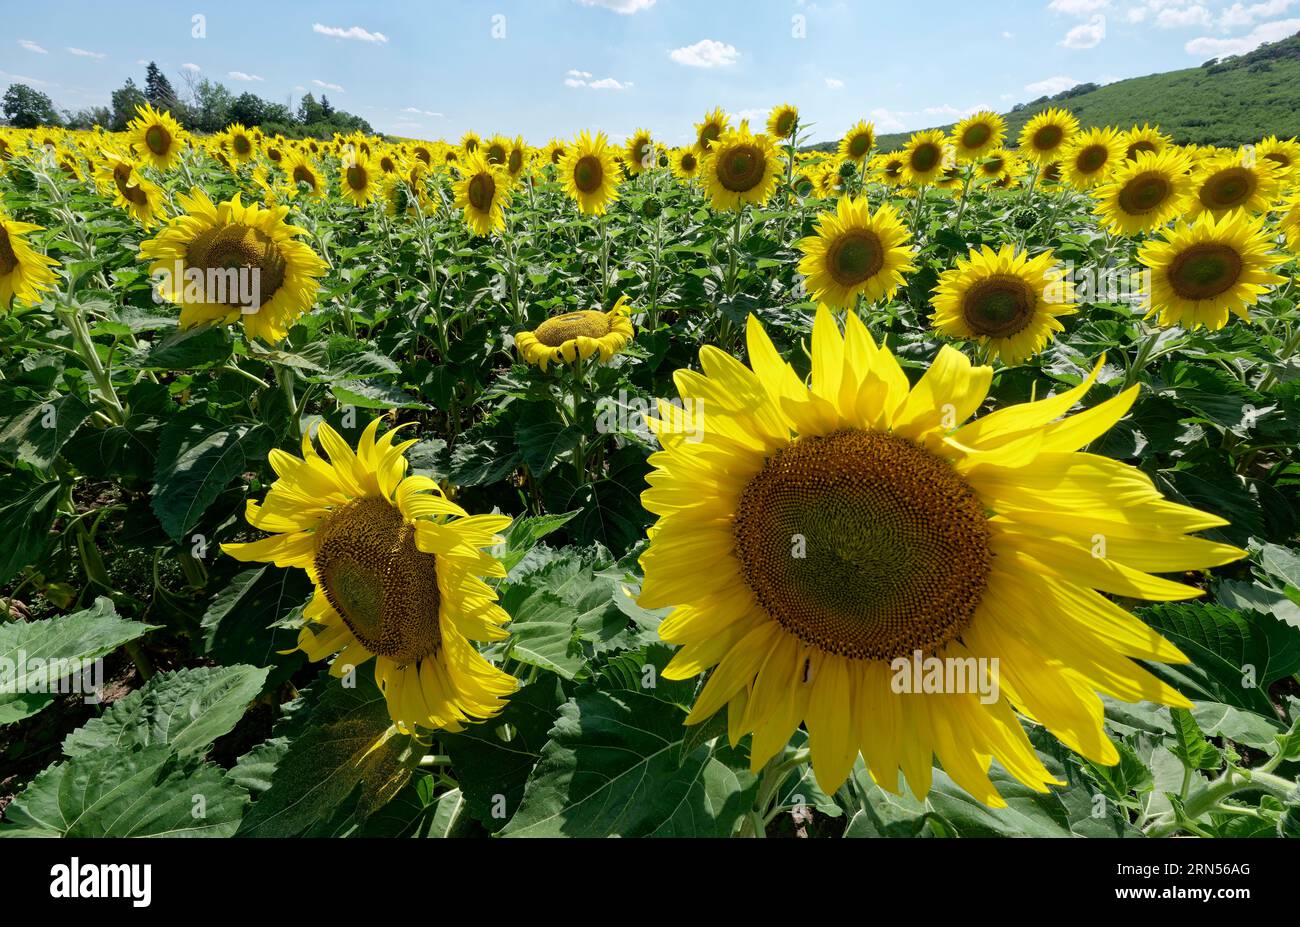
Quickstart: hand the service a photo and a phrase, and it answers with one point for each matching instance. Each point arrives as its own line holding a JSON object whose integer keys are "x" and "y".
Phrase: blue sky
{"x": 435, "y": 68}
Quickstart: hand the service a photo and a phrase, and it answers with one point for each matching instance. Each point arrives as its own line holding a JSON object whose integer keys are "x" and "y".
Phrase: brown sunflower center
{"x": 976, "y": 136}
{"x": 482, "y": 191}
{"x": 585, "y": 323}
{"x": 588, "y": 175}
{"x": 863, "y": 544}
{"x": 557, "y": 155}
{"x": 8, "y": 260}
{"x": 379, "y": 582}
{"x": 894, "y": 169}
{"x": 784, "y": 123}
{"x": 515, "y": 162}
{"x": 641, "y": 153}
{"x": 855, "y": 256}
{"x": 1139, "y": 147}
{"x": 709, "y": 134}
{"x": 303, "y": 174}
{"x": 1279, "y": 158}
{"x": 1204, "y": 271}
{"x": 1092, "y": 159}
{"x": 741, "y": 168}
{"x": 242, "y": 144}
{"x": 999, "y": 306}
{"x": 926, "y": 157}
{"x": 387, "y": 165}
{"x": 993, "y": 166}
{"x": 860, "y": 144}
{"x": 158, "y": 139}
{"x": 237, "y": 248}
{"x": 1228, "y": 189}
{"x": 688, "y": 162}
{"x": 496, "y": 154}
{"x": 131, "y": 192}
{"x": 1048, "y": 137}
{"x": 1144, "y": 193}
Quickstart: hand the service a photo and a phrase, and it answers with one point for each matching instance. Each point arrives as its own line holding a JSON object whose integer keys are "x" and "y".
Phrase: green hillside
{"x": 1229, "y": 101}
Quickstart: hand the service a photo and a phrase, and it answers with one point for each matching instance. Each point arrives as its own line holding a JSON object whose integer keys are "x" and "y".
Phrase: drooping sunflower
{"x": 240, "y": 143}
{"x": 576, "y": 336}
{"x": 229, "y": 262}
{"x": 1285, "y": 153}
{"x": 856, "y": 251}
{"x": 1146, "y": 140}
{"x": 1203, "y": 270}
{"x": 1144, "y": 193}
{"x": 1091, "y": 157}
{"x": 300, "y": 174}
{"x": 978, "y": 135}
{"x": 925, "y": 157}
{"x": 783, "y": 121}
{"x": 685, "y": 163}
{"x": 359, "y": 178}
{"x": 398, "y": 571}
{"x": 553, "y": 153}
{"x": 470, "y": 142}
{"x": 818, "y": 534}
{"x": 858, "y": 142}
{"x": 24, "y": 272}
{"x": 1004, "y": 299}
{"x": 589, "y": 174}
{"x": 142, "y": 199}
{"x": 483, "y": 192}
{"x": 740, "y": 168}
{"x": 711, "y": 129}
{"x": 1045, "y": 136}
{"x": 157, "y": 138}
{"x": 639, "y": 152}
{"x": 1235, "y": 181}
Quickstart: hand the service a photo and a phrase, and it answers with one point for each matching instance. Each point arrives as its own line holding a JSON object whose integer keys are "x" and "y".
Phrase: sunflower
{"x": 1144, "y": 193}
{"x": 496, "y": 150}
{"x": 141, "y": 198}
{"x": 912, "y": 535}
{"x": 470, "y": 142}
{"x": 926, "y": 156}
{"x": 228, "y": 262}
{"x": 1091, "y": 156}
{"x": 639, "y": 152}
{"x": 397, "y": 569}
{"x": 1148, "y": 140}
{"x": 711, "y": 129}
{"x": 24, "y": 272}
{"x": 388, "y": 162}
{"x": 855, "y": 252}
{"x": 1290, "y": 222}
{"x": 1235, "y": 181}
{"x": 1205, "y": 269}
{"x": 589, "y": 174}
{"x": 553, "y": 153}
{"x": 1000, "y": 166}
{"x": 892, "y": 169}
{"x": 240, "y": 142}
{"x": 576, "y": 336}
{"x": 685, "y": 163}
{"x": 1284, "y": 153}
{"x": 516, "y": 158}
{"x": 1045, "y": 136}
{"x": 483, "y": 192}
{"x": 156, "y": 137}
{"x": 977, "y": 135}
{"x": 1004, "y": 299}
{"x": 740, "y": 168}
{"x": 300, "y": 174}
{"x": 359, "y": 178}
{"x": 858, "y": 141}
{"x": 783, "y": 121}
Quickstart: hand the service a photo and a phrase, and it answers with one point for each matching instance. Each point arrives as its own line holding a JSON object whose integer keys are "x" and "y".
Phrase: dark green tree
{"x": 126, "y": 99}
{"x": 158, "y": 90}
{"x": 27, "y": 108}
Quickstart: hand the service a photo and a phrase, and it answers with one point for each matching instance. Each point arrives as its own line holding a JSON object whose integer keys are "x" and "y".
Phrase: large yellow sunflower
{"x": 1203, "y": 270}
{"x": 398, "y": 572}
{"x": 141, "y": 198}
{"x": 925, "y": 157}
{"x": 639, "y": 152}
{"x": 1045, "y": 136}
{"x": 855, "y": 251}
{"x": 685, "y": 163}
{"x": 300, "y": 174}
{"x": 576, "y": 336}
{"x": 1285, "y": 153}
{"x": 783, "y": 121}
{"x": 977, "y": 135}
{"x": 740, "y": 168}
{"x": 817, "y": 537}
{"x": 483, "y": 192}
{"x": 1235, "y": 181}
{"x": 157, "y": 138}
{"x": 858, "y": 142}
{"x": 1290, "y": 222}
{"x": 240, "y": 143}
{"x": 891, "y": 168}
{"x": 1144, "y": 193}
{"x": 234, "y": 262}
{"x": 359, "y": 178}
{"x": 1000, "y": 167}
{"x": 1091, "y": 157}
{"x": 24, "y": 272}
{"x": 711, "y": 129}
{"x": 1006, "y": 300}
{"x": 589, "y": 174}
{"x": 1146, "y": 140}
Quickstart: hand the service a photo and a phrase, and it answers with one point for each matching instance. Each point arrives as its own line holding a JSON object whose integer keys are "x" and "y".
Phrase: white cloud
{"x": 574, "y": 72}
{"x": 706, "y": 53}
{"x": 352, "y": 32}
{"x": 328, "y": 86}
{"x": 240, "y": 75}
{"x": 420, "y": 112}
{"x": 1051, "y": 86}
{"x": 82, "y": 53}
{"x": 1086, "y": 35}
{"x": 23, "y": 79}
{"x": 625, "y": 7}
{"x": 32, "y": 46}
{"x": 574, "y": 82}
{"x": 1078, "y": 7}
{"x": 888, "y": 120}
{"x": 1184, "y": 17}
{"x": 1240, "y": 15}
{"x": 1008, "y": 35}
{"x": 748, "y": 115}
{"x": 191, "y": 67}
{"x": 608, "y": 83}
{"x": 1267, "y": 32}
{"x": 834, "y": 83}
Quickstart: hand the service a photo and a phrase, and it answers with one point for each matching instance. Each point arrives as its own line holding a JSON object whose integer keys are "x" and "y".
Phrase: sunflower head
{"x": 856, "y": 252}
{"x": 1045, "y": 136}
{"x": 1285, "y": 153}
{"x": 782, "y": 121}
{"x": 1146, "y": 140}
{"x": 740, "y": 168}
{"x": 157, "y": 138}
{"x": 575, "y": 336}
{"x": 711, "y": 129}
{"x": 977, "y": 135}
{"x": 240, "y": 143}
{"x": 25, "y": 273}
{"x": 858, "y": 142}
{"x": 120, "y": 179}
{"x": 1144, "y": 193}
{"x": 639, "y": 153}
{"x": 483, "y": 192}
{"x": 925, "y": 157}
{"x": 1235, "y": 181}
{"x": 589, "y": 173}
{"x": 359, "y": 177}
{"x": 685, "y": 163}
{"x": 1091, "y": 157}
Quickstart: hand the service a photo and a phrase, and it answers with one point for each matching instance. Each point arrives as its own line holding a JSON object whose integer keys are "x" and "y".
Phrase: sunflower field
{"x": 385, "y": 487}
